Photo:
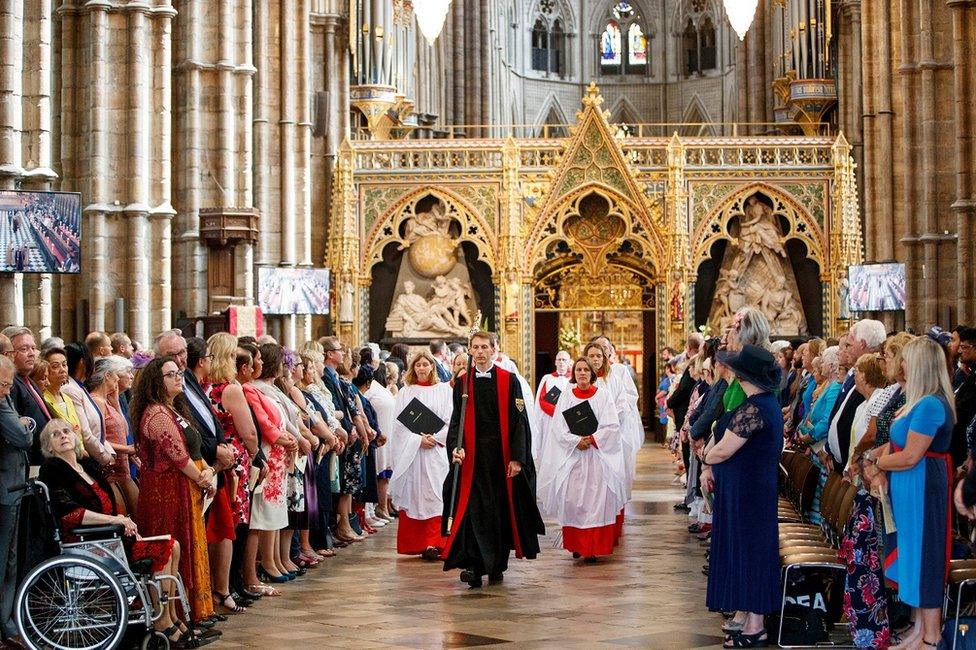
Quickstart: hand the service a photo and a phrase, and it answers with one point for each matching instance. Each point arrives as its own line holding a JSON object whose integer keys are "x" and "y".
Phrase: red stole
{"x": 467, "y": 467}
{"x": 547, "y": 408}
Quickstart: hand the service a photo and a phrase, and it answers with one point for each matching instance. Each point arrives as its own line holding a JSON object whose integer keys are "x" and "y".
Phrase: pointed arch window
{"x": 699, "y": 49}
{"x": 549, "y": 35}
{"x": 624, "y": 46}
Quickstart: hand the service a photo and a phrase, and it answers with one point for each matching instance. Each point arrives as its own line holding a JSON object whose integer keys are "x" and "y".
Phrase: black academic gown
{"x": 494, "y": 515}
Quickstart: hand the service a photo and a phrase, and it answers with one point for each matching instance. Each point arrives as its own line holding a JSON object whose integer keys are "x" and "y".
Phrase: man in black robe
{"x": 496, "y": 510}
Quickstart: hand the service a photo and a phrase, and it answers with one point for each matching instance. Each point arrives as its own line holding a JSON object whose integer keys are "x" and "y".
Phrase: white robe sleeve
{"x": 403, "y": 443}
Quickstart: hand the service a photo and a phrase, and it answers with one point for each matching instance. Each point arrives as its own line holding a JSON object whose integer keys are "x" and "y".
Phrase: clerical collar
{"x": 485, "y": 373}
{"x": 584, "y": 394}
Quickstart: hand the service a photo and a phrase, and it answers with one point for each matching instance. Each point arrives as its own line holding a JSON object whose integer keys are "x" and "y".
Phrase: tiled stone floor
{"x": 650, "y": 594}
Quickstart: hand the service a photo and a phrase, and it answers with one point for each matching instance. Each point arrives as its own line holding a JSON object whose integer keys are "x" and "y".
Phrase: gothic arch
{"x": 646, "y": 11}
{"x": 552, "y": 114}
{"x": 696, "y": 11}
{"x": 624, "y": 238}
{"x": 387, "y": 228}
{"x": 624, "y": 112}
{"x": 696, "y": 121}
{"x": 550, "y": 10}
{"x": 802, "y": 225}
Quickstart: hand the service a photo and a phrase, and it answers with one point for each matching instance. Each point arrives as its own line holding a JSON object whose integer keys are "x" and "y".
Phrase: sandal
{"x": 732, "y": 627}
{"x": 264, "y": 590}
{"x": 233, "y": 608}
{"x": 739, "y": 640}
{"x": 326, "y": 552}
{"x": 930, "y": 644}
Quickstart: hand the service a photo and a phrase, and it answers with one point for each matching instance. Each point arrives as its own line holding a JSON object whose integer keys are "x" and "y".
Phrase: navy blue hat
{"x": 755, "y": 365}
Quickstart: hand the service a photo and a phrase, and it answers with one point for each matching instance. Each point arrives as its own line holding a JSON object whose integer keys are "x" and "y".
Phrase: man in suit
{"x": 866, "y": 337}
{"x": 679, "y": 400}
{"x": 15, "y": 441}
{"x": 25, "y": 394}
{"x": 965, "y": 395}
{"x": 438, "y": 349}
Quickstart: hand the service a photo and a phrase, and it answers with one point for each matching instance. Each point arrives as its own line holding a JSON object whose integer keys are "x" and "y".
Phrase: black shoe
{"x": 576, "y": 556}
{"x": 590, "y": 560}
{"x": 682, "y": 507}
{"x": 431, "y": 554}
{"x": 471, "y": 578}
{"x": 496, "y": 578}
{"x": 694, "y": 528}
{"x": 205, "y": 624}
{"x": 705, "y": 569}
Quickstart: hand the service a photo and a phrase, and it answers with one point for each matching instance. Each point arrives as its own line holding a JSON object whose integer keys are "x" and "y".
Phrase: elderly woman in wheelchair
{"x": 80, "y": 496}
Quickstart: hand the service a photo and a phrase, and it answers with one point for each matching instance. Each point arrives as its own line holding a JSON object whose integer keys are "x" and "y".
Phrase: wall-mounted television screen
{"x": 876, "y": 287}
{"x": 293, "y": 291}
{"x": 40, "y": 232}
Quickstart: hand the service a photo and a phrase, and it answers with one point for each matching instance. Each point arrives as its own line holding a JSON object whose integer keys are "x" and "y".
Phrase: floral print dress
{"x": 865, "y": 601}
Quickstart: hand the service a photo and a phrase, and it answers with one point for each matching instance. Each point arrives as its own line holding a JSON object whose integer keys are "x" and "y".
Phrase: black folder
{"x": 419, "y": 419}
{"x": 553, "y": 395}
{"x": 581, "y": 419}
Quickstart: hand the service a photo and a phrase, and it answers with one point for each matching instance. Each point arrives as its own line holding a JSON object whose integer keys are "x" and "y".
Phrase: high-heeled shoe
{"x": 349, "y": 538}
{"x": 278, "y": 579}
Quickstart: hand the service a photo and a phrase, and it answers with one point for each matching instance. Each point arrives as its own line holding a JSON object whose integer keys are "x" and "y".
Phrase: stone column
{"x": 69, "y": 290}
{"x": 138, "y": 163}
{"x": 457, "y": 112}
{"x": 262, "y": 165}
{"x": 11, "y": 125}
{"x": 161, "y": 178}
{"x": 244, "y": 253}
{"x": 964, "y": 207}
{"x": 97, "y": 232}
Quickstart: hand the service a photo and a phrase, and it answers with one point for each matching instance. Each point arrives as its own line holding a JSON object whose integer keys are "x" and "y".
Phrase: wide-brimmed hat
{"x": 755, "y": 365}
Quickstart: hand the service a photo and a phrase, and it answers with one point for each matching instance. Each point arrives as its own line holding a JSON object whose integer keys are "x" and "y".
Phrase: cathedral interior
{"x": 550, "y": 169}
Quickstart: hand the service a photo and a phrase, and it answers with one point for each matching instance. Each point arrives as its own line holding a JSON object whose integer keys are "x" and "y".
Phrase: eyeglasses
{"x": 334, "y": 350}
{"x": 172, "y": 374}
{"x": 207, "y": 356}
{"x": 965, "y": 346}
{"x": 6, "y": 384}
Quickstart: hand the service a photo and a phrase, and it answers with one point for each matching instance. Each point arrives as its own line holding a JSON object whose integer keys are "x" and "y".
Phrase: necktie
{"x": 37, "y": 398}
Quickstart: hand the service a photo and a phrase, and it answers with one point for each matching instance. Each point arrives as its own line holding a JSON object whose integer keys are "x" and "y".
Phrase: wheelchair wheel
{"x": 154, "y": 640}
{"x": 71, "y": 603}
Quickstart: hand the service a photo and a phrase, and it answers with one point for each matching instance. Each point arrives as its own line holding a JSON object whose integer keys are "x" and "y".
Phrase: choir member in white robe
{"x": 420, "y": 463}
{"x": 544, "y": 410}
{"x": 585, "y": 476}
{"x": 384, "y": 404}
{"x": 616, "y": 379}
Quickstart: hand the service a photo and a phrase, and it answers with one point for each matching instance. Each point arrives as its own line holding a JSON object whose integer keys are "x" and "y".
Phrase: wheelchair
{"x": 87, "y": 596}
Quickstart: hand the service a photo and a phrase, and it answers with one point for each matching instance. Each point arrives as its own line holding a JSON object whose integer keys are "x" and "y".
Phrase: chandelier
{"x": 430, "y": 17}
{"x": 741, "y": 13}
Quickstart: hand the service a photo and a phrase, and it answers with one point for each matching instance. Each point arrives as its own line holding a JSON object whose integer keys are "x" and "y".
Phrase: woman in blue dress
{"x": 919, "y": 465}
{"x": 744, "y": 574}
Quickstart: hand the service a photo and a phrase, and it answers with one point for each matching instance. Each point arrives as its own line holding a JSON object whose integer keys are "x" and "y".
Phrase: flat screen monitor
{"x": 876, "y": 287}
{"x": 40, "y": 232}
{"x": 293, "y": 291}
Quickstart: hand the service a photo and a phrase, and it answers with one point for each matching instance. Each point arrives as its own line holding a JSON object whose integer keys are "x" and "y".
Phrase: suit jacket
{"x": 965, "y": 412}
{"x": 211, "y": 433}
{"x": 680, "y": 398}
{"x": 26, "y": 405}
{"x": 340, "y": 398}
{"x": 15, "y": 443}
{"x": 709, "y": 411}
{"x": 844, "y": 416}
{"x": 443, "y": 372}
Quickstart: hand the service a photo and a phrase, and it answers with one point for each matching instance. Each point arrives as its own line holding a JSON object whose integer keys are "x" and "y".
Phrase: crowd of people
{"x": 892, "y": 413}
{"x": 240, "y": 464}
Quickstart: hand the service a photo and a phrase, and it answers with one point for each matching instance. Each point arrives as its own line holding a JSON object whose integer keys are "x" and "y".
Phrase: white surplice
{"x": 584, "y": 488}
{"x": 418, "y": 474}
{"x": 624, "y": 393}
{"x": 540, "y": 427}
{"x": 383, "y": 403}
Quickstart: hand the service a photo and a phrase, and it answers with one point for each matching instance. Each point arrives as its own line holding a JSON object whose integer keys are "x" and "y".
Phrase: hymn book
{"x": 419, "y": 419}
{"x": 553, "y": 395}
{"x": 581, "y": 419}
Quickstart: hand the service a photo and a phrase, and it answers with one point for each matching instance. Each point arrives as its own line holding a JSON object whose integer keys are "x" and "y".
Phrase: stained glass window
{"x": 610, "y": 44}
{"x": 623, "y": 11}
{"x": 636, "y": 45}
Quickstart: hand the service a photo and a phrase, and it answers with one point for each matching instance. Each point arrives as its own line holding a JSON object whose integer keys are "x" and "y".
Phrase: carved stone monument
{"x": 756, "y": 270}
{"x": 434, "y": 297}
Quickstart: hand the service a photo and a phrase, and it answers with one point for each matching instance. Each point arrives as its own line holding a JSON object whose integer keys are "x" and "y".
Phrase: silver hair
{"x": 753, "y": 327}
{"x": 871, "y": 332}
{"x": 51, "y": 343}
{"x": 14, "y": 331}
{"x": 44, "y": 438}
{"x": 163, "y": 336}
{"x": 830, "y": 358}
{"x": 105, "y": 365}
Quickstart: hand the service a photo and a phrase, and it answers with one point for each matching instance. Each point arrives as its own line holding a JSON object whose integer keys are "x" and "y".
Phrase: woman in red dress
{"x": 172, "y": 482}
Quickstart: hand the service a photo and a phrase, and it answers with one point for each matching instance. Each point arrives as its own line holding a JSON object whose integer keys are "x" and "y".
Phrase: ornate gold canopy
{"x": 556, "y": 219}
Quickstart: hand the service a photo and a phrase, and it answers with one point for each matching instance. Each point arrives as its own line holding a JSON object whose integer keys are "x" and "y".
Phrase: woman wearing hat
{"x": 745, "y": 577}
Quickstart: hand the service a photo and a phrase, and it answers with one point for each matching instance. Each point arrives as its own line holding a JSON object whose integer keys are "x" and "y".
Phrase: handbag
{"x": 962, "y": 633}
